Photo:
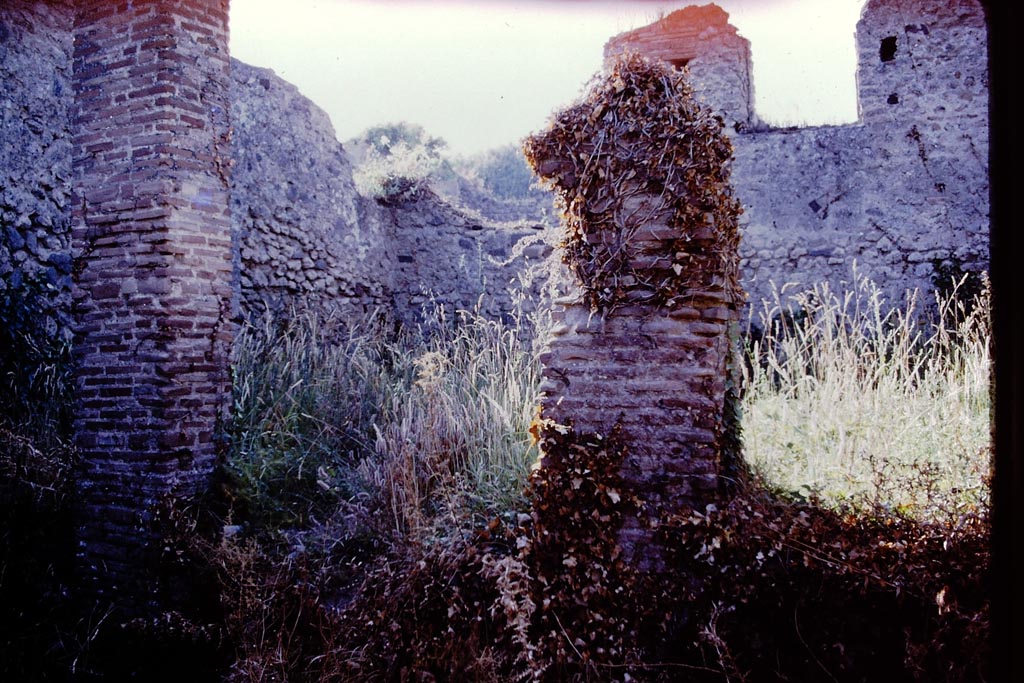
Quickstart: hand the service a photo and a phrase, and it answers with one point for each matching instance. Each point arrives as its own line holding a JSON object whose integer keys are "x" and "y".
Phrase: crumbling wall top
{"x": 679, "y": 36}
{"x": 701, "y": 39}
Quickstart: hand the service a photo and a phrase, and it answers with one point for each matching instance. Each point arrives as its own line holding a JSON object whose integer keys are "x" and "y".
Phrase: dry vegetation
{"x": 378, "y": 519}
{"x": 435, "y": 563}
{"x": 856, "y": 403}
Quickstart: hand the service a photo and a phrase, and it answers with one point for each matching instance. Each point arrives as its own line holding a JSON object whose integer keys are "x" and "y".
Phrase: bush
{"x": 504, "y": 173}
{"x": 395, "y": 160}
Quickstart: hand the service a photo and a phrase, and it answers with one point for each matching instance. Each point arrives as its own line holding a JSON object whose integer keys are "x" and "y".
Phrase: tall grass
{"x": 417, "y": 425}
{"x": 846, "y": 398}
{"x": 457, "y": 440}
{"x": 858, "y": 403}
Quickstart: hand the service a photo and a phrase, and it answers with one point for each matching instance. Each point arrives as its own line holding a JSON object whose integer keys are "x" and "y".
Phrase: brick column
{"x": 153, "y": 299}
{"x": 660, "y": 372}
{"x": 641, "y": 346}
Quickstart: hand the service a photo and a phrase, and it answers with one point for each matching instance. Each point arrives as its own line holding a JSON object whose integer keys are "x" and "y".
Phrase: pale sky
{"x": 486, "y": 73}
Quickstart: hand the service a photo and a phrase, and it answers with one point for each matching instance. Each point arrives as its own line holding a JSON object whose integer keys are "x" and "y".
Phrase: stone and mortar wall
{"x": 901, "y": 191}
{"x": 153, "y": 300}
{"x": 35, "y": 157}
{"x": 923, "y": 60}
{"x": 447, "y": 257}
{"x": 306, "y": 239}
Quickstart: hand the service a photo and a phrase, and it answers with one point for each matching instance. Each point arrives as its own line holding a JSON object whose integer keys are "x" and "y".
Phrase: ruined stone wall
{"x": 901, "y": 192}
{"x": 717, "y": 57}
{"x": 35, "y": 157}
{"x": 306, "y": 238}
{"x": 153, "y": 300}
{"x": 447, "y": 257}
{"x": 923, "y": 60}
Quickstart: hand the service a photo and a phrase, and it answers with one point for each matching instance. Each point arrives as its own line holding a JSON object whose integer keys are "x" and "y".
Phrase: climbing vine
{"x": 638, "y": 144}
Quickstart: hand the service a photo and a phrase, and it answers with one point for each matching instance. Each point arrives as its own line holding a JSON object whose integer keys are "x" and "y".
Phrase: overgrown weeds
{"x": 854, "y": 401}
{"x": 354, "y": 445}
{"x": 426, "y": 561}
{"x": 416, "y": 425}
{"x": 35, "y": 360}
{"x": 36, "y": 480}
{"x": 377, "y": 527}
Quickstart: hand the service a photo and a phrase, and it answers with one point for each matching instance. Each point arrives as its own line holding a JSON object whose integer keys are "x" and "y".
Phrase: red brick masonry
{"x": 153, "y": 300}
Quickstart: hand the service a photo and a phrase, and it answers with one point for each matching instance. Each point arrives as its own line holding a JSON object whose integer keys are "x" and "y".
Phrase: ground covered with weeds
{"x": 378, "y": 515}
{"x": 404, "y": 537}
{"x": 758, "y": 588}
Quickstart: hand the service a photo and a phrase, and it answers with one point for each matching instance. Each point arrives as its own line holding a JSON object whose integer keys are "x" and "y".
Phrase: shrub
{"x": 395, "y": 160}
{"x": 503, "y": 172}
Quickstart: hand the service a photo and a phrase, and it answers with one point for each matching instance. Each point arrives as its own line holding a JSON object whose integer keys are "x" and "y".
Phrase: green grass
{"x": 857, "y": 403}
{"x": 417, "y": 426}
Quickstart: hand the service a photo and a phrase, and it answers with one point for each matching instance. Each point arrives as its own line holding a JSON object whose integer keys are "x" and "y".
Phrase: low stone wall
{"x": 307, "y": 240}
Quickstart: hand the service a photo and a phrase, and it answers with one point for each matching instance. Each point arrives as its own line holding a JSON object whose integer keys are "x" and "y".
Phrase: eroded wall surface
{"x": 447, "y": 257}
{"x": 308, "y": 240}
{"x": 305, "y": 238}
{"x": 35, "y": 156}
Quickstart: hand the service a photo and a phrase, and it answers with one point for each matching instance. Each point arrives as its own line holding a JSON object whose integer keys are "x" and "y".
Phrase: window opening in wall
{"x": 801, "y": 78}
{"x": 679, "y": 63}
{"x": 887, "y": 52}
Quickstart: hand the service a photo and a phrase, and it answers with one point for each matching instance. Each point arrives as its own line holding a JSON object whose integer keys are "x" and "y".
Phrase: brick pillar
{"x": 641, "y": 345}
{"x": 153, "y": 299}
{"x": 659, "y": 371}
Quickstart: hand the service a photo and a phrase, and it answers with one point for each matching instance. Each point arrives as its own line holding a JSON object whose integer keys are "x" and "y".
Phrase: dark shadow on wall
{"x": 1008, "y": 482}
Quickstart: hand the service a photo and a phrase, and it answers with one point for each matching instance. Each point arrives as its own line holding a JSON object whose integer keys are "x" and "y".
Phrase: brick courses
{"x": 153, "y": 302}
{"x": 659, "y": 372}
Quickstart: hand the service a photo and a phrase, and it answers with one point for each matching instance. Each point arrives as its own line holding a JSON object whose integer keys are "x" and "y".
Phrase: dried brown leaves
{"x": 639, "y": 149}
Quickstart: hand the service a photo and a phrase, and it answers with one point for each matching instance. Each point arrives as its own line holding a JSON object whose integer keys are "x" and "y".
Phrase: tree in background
{"x": 503, "y": 172}
{"x": 393, "y": 159}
